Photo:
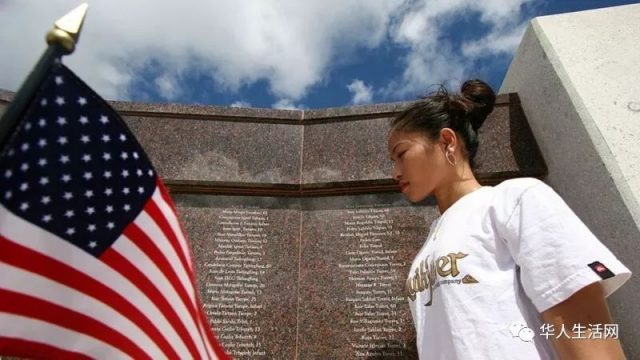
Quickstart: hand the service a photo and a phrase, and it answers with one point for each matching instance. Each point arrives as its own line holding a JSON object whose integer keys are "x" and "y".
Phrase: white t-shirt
{"x": 492, "y": 262}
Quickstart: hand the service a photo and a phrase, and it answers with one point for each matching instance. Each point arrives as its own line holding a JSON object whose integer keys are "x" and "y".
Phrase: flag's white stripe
{"x": 173, "y": 221}
{"x": 33, "y": 237}
{"x": 28, "y": 283}
{"x": 172, "y": 218}
{"x": 151, "y": 228}
{"x": 153, "y": 231}
{"x": 46, "y": 333}
{"x": 203, "y": 331}
{"x": 131, "y": 252}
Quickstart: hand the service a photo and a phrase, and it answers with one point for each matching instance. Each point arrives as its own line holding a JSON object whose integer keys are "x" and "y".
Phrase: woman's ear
{"x": 448, "y": 139}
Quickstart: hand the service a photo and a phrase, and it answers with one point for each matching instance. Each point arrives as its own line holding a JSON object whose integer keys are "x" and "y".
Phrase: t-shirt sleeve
{"x": 556, "y": 252}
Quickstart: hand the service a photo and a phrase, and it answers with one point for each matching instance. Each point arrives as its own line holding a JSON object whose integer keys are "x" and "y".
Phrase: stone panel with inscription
{"x": 353, "y": 266}
{"x": 248, "y": 288}
{"x": 307, "y": 278}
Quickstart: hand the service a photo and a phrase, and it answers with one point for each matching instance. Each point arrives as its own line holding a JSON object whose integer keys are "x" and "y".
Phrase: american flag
{"x": 93, "y": 260}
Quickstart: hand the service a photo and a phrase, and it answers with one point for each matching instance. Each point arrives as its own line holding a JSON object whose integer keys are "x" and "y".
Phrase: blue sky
{"x": 280, "y": 54}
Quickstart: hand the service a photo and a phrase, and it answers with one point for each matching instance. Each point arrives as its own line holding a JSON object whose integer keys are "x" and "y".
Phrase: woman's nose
{"x": 397, "y": 174}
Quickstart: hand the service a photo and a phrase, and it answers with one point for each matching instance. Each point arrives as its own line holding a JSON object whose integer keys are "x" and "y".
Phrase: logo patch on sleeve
{"x": 601, "y": 270}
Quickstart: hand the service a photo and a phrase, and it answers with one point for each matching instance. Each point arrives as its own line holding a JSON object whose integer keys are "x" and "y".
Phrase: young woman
{"x": 506, "y": 272}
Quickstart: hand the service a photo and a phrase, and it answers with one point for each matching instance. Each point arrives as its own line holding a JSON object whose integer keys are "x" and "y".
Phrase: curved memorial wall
{"x": 301, "y": 240}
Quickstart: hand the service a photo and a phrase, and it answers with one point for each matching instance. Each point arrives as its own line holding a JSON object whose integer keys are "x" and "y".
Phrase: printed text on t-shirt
{"x": 425, "y": 276}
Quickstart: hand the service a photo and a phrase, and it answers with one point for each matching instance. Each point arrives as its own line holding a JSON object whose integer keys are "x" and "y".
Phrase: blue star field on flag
{"x": 73, "y": 167}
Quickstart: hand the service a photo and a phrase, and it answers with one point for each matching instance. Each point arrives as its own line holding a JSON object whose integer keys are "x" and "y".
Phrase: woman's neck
{"x": 448, "y": 194}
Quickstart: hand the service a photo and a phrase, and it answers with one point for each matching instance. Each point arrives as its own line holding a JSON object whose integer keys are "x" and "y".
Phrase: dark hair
{"x": 464, "y": 113}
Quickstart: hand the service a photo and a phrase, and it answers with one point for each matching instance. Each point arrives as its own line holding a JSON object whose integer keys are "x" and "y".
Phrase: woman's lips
{"x": 404, "y": 186}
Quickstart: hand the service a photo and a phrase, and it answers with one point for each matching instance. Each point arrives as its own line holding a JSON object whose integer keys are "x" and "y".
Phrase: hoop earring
{"x": 447, "y": 154}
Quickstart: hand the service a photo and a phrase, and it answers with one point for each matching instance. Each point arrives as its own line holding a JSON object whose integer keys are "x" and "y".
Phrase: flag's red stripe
{"x": 154, "y": 211}
{"x": 120, "y": 264}
{"x": 29, "y": 306}
{"x": 217, "y": 348}
{"x": 167, "y": 199}
{"x": 161, "y": 221}
{"x": 27, "y": 259}
{"x": 165, "y": 195}
{"x": 204, "y": 321}
{"x": 35, "y": 350}
{"x": 142, "y": 240}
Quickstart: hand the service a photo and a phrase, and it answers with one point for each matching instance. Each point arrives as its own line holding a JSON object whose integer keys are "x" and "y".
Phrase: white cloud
{"x": 286, "y": 104}
{"x": 167, "y": 86}
{"x": 291, "y": 44}
{"x": 241, "y": 104}
{"x": 431, "y": 59}
{"x": 496, "y": 42}
{"x": 361, "y": 93}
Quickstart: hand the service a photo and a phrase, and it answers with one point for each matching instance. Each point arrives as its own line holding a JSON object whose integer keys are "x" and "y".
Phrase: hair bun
{"x": 482, "y": 97}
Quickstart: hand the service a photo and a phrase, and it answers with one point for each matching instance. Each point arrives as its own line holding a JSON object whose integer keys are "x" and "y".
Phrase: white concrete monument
{"x": 578, "y": 78}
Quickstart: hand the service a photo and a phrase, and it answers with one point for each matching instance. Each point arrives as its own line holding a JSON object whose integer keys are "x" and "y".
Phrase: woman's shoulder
{"x": 518, "y": 186}
{"x": 509, "y": 193}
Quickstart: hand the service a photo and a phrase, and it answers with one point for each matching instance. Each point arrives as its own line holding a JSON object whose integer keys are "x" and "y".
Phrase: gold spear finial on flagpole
{"x": 61, "y": 39}
{"x": 66, "y": 30}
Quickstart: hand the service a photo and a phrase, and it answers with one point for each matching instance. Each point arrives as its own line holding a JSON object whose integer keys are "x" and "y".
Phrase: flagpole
{"x": 62, "y": 40}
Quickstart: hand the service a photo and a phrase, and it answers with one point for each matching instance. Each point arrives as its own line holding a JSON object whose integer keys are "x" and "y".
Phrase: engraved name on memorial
{"x": 371, "y": 270}
{"x": 248, "y": 287}
{"x": 354, "y": 260}
{"x": 238, "y": 269}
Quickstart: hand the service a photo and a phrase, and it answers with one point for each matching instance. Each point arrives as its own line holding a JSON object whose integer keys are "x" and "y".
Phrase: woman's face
{"x": 419, "y": 164}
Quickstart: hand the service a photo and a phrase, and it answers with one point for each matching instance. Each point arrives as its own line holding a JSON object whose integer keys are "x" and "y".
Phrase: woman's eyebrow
{"x": 396, "y": 145}
{"x": 393, "y": 152}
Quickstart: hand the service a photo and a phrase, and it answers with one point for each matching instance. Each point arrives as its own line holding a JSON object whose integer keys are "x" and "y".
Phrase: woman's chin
{"x": 413, "y": 197}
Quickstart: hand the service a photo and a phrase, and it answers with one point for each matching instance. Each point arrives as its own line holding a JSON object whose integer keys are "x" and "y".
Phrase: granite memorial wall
{"x": 301, "y": 240}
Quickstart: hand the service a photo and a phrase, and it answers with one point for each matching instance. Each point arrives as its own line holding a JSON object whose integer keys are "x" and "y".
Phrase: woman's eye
{"x": 402, "y": 154}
